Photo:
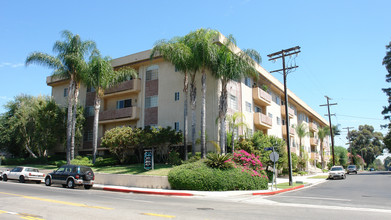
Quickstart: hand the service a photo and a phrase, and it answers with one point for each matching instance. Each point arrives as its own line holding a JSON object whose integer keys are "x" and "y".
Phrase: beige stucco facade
{"x": 158, "y": 100}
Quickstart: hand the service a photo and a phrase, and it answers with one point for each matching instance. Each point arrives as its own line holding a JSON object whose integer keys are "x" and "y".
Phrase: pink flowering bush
{"x": 248, "y": 162}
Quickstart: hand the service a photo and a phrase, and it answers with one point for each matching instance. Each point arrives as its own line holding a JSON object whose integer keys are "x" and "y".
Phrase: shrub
{"x": 109, "y": 161}
{"x": 83, "y": 161}
{"x": 192, "y": 158}
{"x": 215, "y": 160}
{"x": 174, "y": 158}
{"x": 59, "y": 163}
{"x": 198, "y": 176}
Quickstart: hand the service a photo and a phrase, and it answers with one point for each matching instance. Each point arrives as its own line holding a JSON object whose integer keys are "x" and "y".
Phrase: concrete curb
{"x": 277, "y": 192}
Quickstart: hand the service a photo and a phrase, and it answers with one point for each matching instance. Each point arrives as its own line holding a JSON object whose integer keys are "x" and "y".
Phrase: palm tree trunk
{"x": 321, "y": 154}
{"x": 193, "y": 96}
{"x": 95, "y": 126}
{"x": 185, "y": 92}
{"x": 69, "y": 120}
{"x": 74, "y": 121}
{"x": 203, "y": 116}
{"x": 222, "y": 115}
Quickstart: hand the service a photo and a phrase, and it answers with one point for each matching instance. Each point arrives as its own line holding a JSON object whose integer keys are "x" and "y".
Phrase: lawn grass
{"x": 39, "y": 166}
{"x": 319, "y": 177}
{"x": 135, "y": 169}
{"x": 287, "y": 186}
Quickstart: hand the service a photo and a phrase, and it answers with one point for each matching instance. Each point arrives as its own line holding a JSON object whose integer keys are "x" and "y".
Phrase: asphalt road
{"x": 33, "y": 201}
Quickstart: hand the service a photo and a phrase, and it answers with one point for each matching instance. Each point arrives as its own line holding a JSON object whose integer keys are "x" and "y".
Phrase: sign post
{"x": 274, "y": 157}
{"x": 148, "y": 159}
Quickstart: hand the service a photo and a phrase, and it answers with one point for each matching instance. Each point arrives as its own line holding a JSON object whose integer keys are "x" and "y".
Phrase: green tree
{"x": 235, "y": 121}
{"x": 231, "y": 66}
{"x": 387, "y": 163}
{"x": 201, "y": 43}
{"x": 101, "y": 76}
{"x": 301, "y": 131}
{"x": 322, "y": 133}
{"x": 31, "y": 125}
{"x": 387, "y": 109}
{"x": 69, "y": 64}
{"x": 342, "y": 154}
{"x": 180, "y": 55}
{"x": 366, "y": 142}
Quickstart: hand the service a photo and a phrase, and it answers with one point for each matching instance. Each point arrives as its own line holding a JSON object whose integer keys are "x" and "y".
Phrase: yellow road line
{"x": 57, "y": 201}
{"x": 159, "y": 215}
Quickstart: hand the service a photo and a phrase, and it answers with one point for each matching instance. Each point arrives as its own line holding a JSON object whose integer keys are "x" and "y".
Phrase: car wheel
{"x": 356, "y": 172}
{"x": 87, "y": 186}
{"x": 48, "y": 181}
{"x": 71, "y": 184}
{"x": 21, "y": 179}
{"x": 5, "y": 178}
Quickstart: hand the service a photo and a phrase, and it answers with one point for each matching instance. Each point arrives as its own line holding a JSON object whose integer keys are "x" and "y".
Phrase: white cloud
{"x": 12, "y": 65}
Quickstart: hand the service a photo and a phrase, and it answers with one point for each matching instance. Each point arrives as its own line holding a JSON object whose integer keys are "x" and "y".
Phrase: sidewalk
{"x": 305, "y": 180}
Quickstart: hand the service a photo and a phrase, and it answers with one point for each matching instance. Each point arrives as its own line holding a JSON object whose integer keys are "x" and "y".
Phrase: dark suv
{"x": 71, "y": 176}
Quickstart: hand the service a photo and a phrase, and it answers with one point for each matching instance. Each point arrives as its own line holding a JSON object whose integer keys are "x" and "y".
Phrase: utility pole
{"x": 331, "y": 127}
{"x": 281, "y": 54}
{"x": 350, "y": 147}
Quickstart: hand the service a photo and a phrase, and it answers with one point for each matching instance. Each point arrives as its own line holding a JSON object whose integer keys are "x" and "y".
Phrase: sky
{"x": 342, "y": 43}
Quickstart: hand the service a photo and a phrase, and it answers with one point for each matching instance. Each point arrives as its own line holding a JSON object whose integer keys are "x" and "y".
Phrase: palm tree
{"x": 69, "y": 64}
{"x": 322, "y": 133}
{"x": 231, "y": 66}
{"x": 101, "y": 76}
{"x": 181, "y": 56}
{"x": 201, "y": 43}
{"x": 234, "y": 124}
{"x": 301, "y": 131}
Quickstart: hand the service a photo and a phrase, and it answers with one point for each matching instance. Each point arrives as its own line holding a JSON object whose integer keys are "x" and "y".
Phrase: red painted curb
{"x": 147, "y": 192}
{"x": 278, "y": 191}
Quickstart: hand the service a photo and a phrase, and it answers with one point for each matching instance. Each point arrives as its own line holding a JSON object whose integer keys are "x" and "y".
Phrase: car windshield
{"x": 351, "y": 166}
{"x": 336, "y": 168}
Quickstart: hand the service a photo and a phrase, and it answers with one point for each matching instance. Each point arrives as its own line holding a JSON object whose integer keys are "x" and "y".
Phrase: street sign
{"x": 268, "y": 148}
{"x": 148, "y": 159}
{"x": 274, "y": 156}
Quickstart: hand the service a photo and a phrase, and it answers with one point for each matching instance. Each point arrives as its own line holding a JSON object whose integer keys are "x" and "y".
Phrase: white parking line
{"x": 317, "y": 198}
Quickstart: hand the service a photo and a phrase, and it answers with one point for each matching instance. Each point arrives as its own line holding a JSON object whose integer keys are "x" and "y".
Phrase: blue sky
{"x": 342, "y": 42}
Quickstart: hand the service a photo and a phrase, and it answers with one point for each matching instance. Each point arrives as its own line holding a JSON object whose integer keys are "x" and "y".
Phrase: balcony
{"x": 291, "y": 112}
{"x": 313, "y": 127}
{"x": 261, "y": 97}
{"x": 117, "y": 115}
{"x": 313, "y": 141}
{"x": 291, "y": 131}
{"x": 127, "y": 87}
{"x": 51, "y": 81}
{"x": 262, "y": 121}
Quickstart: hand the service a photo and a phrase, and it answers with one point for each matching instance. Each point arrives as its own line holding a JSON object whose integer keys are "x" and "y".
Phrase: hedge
{"x": 198, "y": 176}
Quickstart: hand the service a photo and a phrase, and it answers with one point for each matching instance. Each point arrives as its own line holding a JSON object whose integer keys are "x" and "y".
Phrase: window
{"x": 176, "y": 126}
{"x": 90, "y": 89}
{"x": 151, "y": 101}
{"x": 90, "y": 111}
{"x": 270, "y": 115}
{"x": 247, "y": 82}
{"x": 248, "y": 107}
{"x": 233, "y": 103}
{"x": 152, "y": 72}
{"x": 124, "y": 103}
{"x": 65, "y": 92}
{"x": 88, "y": 135}
{"x": 258, "y": 109}
{"x": 276, "y": 99}
{"x": 176, "y": 96}
{"x": 249, "y": 132}
{"x": 278, "y": 120}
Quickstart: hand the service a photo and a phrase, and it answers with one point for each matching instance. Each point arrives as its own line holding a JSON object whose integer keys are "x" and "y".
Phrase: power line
{"x": 361, "y": 117}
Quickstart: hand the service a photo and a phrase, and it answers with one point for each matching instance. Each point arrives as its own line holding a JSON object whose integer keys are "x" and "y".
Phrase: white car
{"x": 337, "y": 172}
{"x": 24, "y": 174}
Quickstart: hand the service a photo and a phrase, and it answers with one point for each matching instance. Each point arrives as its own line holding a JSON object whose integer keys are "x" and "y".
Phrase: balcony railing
{"x": 262, "y": 121}
{"x": 313, "y": 141}
{"x": 130, "y": 113}
{"x": 313, "y": 126}
{"x": 291, "y": 131}
{"x": 261, "y": 97}
{"x": 130, "y": 86}
{"x": 52, "y": 80}
{"x": 291, "y": 112}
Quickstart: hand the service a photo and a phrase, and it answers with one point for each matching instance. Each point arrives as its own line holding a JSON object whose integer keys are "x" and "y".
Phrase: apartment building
{"x": 156, "y": 98}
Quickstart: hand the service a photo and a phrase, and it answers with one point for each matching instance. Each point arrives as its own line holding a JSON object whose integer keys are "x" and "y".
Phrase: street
{"x": 362, "y": 196}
